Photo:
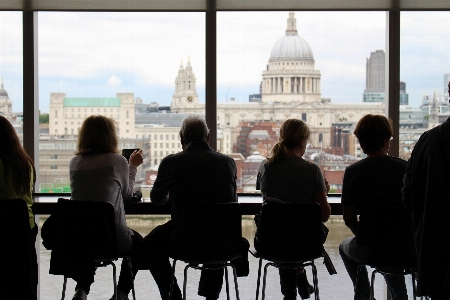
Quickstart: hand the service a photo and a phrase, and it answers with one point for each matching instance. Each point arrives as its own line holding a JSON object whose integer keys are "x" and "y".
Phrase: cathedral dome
{"x": 291, "y": 46}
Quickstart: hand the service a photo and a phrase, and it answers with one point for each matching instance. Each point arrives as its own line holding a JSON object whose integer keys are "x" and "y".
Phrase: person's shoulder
{"x": 304, "y": 163}
{"x": 397, "y": 160}
{"x": 171, "y": 157}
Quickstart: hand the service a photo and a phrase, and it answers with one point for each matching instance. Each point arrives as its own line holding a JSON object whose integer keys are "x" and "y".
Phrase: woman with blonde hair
{"x": 285, "y": 176}
{"x": 99, "y": 173}
{"x": 17, "y": 178}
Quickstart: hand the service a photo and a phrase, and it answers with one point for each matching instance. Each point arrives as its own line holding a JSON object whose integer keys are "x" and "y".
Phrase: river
{"x": 331, "y": 286}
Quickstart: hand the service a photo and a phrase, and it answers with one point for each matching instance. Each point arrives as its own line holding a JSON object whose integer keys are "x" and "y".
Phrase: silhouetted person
{"x": 426, "y": 195}
{"x": 196, "y": 175}
{"x": 17, "y": 178}
{"x": 286, "y": 177}
{"x": 97, "y": 163}
{"x": 375, "y": 181}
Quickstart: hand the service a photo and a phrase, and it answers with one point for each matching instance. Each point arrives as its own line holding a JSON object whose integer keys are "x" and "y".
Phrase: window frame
{"x": 30, "y": 47}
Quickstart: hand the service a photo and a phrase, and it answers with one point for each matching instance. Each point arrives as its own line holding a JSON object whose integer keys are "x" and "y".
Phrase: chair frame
{"x": 105, "y": 263}
{"x": 221, "y": 263}
{"x": 282, "y": 266}
{"x": 196, "y": 267}
{"x": 406, "y": 271}
{"x": 295, "y": 263}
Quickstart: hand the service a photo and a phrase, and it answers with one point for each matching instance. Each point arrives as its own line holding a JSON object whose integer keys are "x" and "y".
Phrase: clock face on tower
{"x": 190, "y": 98}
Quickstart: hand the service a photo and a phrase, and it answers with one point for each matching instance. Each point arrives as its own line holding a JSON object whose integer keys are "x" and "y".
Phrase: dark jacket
{"x": 426, "y": 195}
{"x": 196, "y": 175}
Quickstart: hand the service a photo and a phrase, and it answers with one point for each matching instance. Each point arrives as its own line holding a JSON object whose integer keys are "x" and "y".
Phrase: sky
{"x": 100, "y": 54}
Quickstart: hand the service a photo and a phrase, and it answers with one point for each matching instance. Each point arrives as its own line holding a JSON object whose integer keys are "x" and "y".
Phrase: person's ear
{"x": 207, "y": 138}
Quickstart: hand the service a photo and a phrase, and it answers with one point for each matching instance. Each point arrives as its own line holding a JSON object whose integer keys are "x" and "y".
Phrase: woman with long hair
{"x": 17, "y": 178}
{"x": 99, "y": 173}
{"x": 286, "y": 177}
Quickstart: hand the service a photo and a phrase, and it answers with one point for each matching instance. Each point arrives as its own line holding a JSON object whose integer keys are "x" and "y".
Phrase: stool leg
{"x": 114, "y": 280}
{"x": 264, "y": 282}
{"x": 235, "y": 283}
{"x": 259, "y": 279}
{"x": 227, "y": 285}
{"x": 64, "y": 288}
{"x": 316, "y": 282}
{"x": 185, "y": 281}
{"x": 358, "y": 272}
{"x": 372, "y": 285}
{"x": 172, "y": 280}
{"x": 132, "y": 278}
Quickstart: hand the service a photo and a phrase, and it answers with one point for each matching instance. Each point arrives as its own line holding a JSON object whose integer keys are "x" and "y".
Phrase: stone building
{"x": 5, "y": 103}
{"x": 290, "y": 88}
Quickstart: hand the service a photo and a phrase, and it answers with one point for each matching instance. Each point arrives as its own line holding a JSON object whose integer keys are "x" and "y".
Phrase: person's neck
{"x": 292, "y": 153}
{"x": 377, "y": 153}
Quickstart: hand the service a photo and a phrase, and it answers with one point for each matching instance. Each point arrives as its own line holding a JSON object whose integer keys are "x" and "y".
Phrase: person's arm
{"x": 160, "y": 191}
{"x": 350, "y": 216}
{"x": 234, "y": 180}
{"x": 320, "y": 195}
{"x": 325, "y": 209}
{"x": 135, "y": 160}
{"x": 406, "y": 190}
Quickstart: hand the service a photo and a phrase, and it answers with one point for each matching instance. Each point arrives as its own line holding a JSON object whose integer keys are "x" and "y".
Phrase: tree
{"x": 43, "y": 119}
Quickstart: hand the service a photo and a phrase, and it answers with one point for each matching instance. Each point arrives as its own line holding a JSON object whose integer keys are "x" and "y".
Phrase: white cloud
{"x": 114, "y": 81}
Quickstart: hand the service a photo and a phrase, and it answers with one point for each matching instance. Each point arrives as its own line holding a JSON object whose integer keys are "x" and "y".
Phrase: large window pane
{"x": 425, "y": 68}
{"x": 11, "y": 66}
{"x": 326, "y": 68}
{"x": 122, "y": 65}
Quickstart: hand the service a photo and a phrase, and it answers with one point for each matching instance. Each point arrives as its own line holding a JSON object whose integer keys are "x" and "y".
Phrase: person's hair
{"x": 193, "y": 129}
{"x": 97, "y": 135}
{"x": 16, "y": 162}
{"x": 292, "y": 133}
{"x": 372, "y": 131}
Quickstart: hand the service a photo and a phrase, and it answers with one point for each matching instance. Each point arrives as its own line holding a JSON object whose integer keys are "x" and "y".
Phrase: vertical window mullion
{"x": 393, "y": 76}
{"x": 211, "y": 72}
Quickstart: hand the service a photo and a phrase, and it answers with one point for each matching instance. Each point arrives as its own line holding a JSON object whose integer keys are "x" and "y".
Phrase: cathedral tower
{"x": 185, "y": 94}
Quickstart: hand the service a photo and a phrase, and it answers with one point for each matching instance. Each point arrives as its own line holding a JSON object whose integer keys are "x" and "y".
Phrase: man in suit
{"x": 426, "y": 196}
{"x": 196, "y": 175}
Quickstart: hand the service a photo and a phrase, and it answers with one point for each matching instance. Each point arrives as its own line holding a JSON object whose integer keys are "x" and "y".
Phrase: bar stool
{"x": 211, "y": 235}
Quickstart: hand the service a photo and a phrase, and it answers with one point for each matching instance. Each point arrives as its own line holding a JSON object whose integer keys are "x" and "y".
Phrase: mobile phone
{"x": 127, "y": 152}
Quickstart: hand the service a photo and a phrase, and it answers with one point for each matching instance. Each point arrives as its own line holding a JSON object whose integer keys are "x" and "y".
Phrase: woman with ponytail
{"x": 286, "y": 177}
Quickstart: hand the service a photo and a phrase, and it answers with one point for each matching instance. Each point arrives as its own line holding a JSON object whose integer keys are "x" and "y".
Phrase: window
{"x": 419, "y": 90}
{"x": 326, "y": 75}
{"x": 161, "y": 145}
{"x": 167, "y": 137}
{"x": 156, "y": 145}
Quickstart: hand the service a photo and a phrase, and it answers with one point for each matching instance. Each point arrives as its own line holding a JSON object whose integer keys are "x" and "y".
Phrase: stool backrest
{"x": 210, "y": 231}
{"x": 16, "y": 249}
{"x": 390, "y": 235}
{"x": 85, "y": 228}
{"x": 290, "y": 230}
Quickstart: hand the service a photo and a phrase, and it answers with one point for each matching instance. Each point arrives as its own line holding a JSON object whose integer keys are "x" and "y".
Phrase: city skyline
{"x": 74, "y": 60}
